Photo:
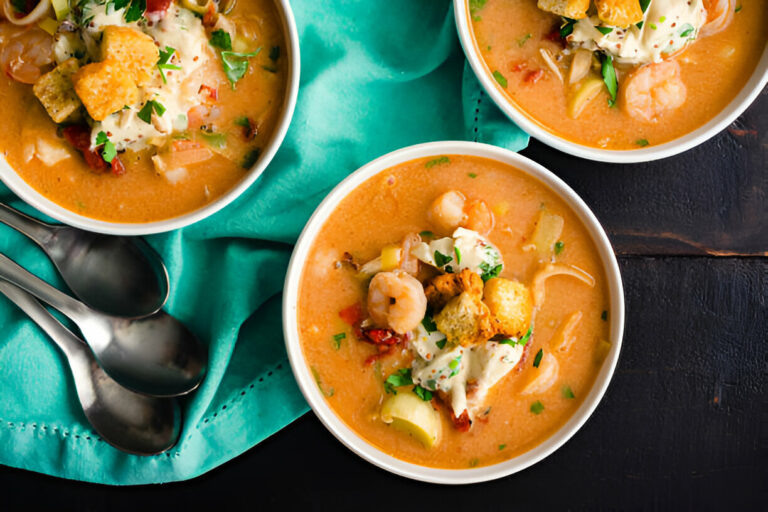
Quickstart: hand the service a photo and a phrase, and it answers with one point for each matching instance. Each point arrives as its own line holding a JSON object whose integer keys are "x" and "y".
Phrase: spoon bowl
{"x": 129, "y": 421}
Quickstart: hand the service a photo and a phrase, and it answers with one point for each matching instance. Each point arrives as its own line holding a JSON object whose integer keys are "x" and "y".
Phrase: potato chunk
{"x": 511, "y": 304}
{"x": 465, "y": 320}
{"x": 575, "y": 9}
{"x": 132, "y": 50}
{"x": 56, "y": 92}
{"x": 104, "y": 88}
{"x": 407, "y": 412}
{"x": 619, "y": 13}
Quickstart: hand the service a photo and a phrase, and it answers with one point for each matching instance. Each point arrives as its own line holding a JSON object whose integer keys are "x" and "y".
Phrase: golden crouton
{"x": 55, "y": 91}
{"x": 444, "y": 287}
{"x": 465, "y": 320}
{"x": 104, "y": 88}
{"x": 575, "y": 9}
{"x": 619, "y": 13}
{"x": 511, "y": 305}
{"x": 134, "y": 51}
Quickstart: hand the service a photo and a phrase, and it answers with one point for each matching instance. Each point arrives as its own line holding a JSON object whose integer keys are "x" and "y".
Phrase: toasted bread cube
{"x": 56, "y": 92}
{"x": 575, "y": 9}
{"x": 104, "y": 88}
{"x": 511, "y": 305}
{"x": 619, "y": 13}
{"x": 465, "y": 320}
{"x": 444, "y": 287}
{"x": 134, "y": 51}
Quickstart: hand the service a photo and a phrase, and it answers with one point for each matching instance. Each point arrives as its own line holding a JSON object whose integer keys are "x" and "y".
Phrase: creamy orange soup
{"x": 354, "y": 373}
{"x": 212, "y": 127}
{"x": 675, "y": 95}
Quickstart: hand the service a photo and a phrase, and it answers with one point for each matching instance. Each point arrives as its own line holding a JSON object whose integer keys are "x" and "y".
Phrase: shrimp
{"x": 653, "y": 90}
{"x": 719, "y": 16}
{"x": 26, "y": 54}
{"x": 452, "y": 210}
{"x": 396, "y": 301}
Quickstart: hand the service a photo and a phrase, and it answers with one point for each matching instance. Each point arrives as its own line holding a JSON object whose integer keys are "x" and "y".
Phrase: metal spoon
{"x": 127, "y": 420}
{"x": 156, "y": 355}
{"x": 117, "y": 275}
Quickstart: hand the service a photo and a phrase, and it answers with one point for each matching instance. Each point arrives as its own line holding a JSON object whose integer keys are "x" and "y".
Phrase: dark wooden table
{"x": 684, "y": 424}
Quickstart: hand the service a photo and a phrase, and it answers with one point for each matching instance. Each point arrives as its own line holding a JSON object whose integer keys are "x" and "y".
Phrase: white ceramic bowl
{"x": 45, "y": 205}
{"x": 739, "y": 104}
{"x": 307, "y": 383}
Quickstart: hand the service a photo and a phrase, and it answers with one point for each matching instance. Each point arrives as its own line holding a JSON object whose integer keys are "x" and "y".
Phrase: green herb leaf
{"x": 500, "y": 78}
{"x": 604, "y": 30}
{"x": 441, "y": 343}
{"x": 437, "y": 161}
{"x": 401, "y": 377}
{"x": 609, "y": 77}
{"x": 567, "y": 28}
{"x": 537, "y": 359}
{"x": 472, "y": 175}
{"x": 319, "y": 382}
{"x": 641, "y": 142}
{"x": 449, "y": 269}
{"x": 604, "y": 315}
{"x": 639, "y": 25}
{"x": 653, "y": 26}
{"x": 274, "y": 53}
{"x": 474, "y": 462}
{"x": 686, "y": 30}
{"x": 568, "y": 392}
{"x": 458, "y": 254}
{"x": 217, "y": 140}
{"x": 427, "y": 234}
{"x": 135, "y": 11}
{"x": 455, "y": 365}
{"x": 559, "y": 246}
{"x": 490, "y": 272}
{"x": 526, "y": 337}
{"x": 474, "y": 7}
{"x": 19, "y": 6}
{"x": 251, "y": 158}
{"x": 522, "y": 40}
{"x": 502, "y": 446}
{"x": 441, "y": 259}
{"x": 243, "y": 121}
{"x": 108, "y": 152}
{"x": 429, "y": 324}
{"x": 162, "y": 63}
{"x": 423, "y": 393}
{"x": 662, "y": 19}
{"x": 537, "y": 407}
{"x": 221, "y": 39}
{"x": 145, "y": 114}
{"x": 737, "y": 9}
{"x": 119, "y": 4}
{"x": 236, "y": 64}
{"x": 644, "y": 4}
{"x": 337, "y": 340}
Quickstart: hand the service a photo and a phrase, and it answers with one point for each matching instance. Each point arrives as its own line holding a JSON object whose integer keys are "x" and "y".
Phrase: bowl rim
{"x": 29, "y": 195}
{"x": 306, "y": 381}
{"x": 719, "y": 122}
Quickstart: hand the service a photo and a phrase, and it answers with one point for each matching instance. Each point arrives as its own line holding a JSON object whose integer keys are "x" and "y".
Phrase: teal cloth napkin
{"x": 375, "y": 76}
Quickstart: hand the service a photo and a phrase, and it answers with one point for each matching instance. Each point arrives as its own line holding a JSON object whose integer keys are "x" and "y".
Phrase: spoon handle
{"x": 13, "y": 273}
{"x": 33, "y": 228}
{"x": 70, "y": 344}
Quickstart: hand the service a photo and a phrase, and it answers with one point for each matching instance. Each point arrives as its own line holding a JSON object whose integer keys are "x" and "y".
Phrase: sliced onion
{"x": 556, "y": 269}
{"x": 547, "y": 56}
{"x": 37, "y": 14}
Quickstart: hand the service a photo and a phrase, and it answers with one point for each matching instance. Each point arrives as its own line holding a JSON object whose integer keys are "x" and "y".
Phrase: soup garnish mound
{"x": 619, "y": 74}
{"x": 464, "y": 302}
{"x": 127, "y": 95}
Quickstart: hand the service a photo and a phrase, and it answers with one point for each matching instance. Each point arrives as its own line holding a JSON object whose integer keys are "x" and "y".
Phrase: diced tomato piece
{"x": 555, "y": 37}
{"x": 533, "y": 76}
{"x": 118, "y": 169}
{"x": 157, "y": 6}
{"x": 382, "y": 336}
{"x": 211, "y": 92}
{"x": 209, "y": 18}
{"x": 353, "y": 314}
{"x": 462, "y": 423}
{"x": 79, "y": 136}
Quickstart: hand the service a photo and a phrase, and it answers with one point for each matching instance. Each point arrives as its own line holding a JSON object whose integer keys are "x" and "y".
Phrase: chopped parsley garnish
{"x": 401, "y": 377}
{"x": 644, "y": 4}
{"x": 319, "y": 382}
{"x": 522, "y": 40}
{"x": 441, "y": 343}
{"x": 653, "y": 26}
{"x": 454, "y": 365}
{"x": 437, "y": 161}
{"x": 251, "y": 158}
{"x": 490, "y": 272}
{"x": 423, "y": 393}
{"x": 271, "y": 69}
{"x": 243, "y": 121}
{"x": 449, "y": 269}
{"x": 472, "y": 175}
{"x": 162, "y": 63}
{"x": 604, "y": 30}
{"x": 568, "y": 392}
{"x": 642, "y": 142}
{"x": 686, "y": 30}
{"x": 604, "y": 315}
{"x": 19, "y": 5}
{"x": 500, "y": 78}
{"x": 117, "y": 5}
{"x": 108, "y": 152}
{"x": 217, "y": 140}
{"x": 737, "y": 9}
{"x": 221, "y": 39}
{"x": 474, "y": 462}
{"x": 662, "y": 19}
{"x": 537, "y": 359}
{"x": 145, "y": 114}
{"x": 522, "y": 341}
{"x": 567, "y": 28}
{"x": 427, "y": 234}
{"x": 474, "y": 7}
{"x": 502, "y": 446}
{"x": 429, "y": 324}
{"x": 559, "y": 246}
{"x": 337, "y": 340}
{"x": 274, "y": 53}
{"x": 442, "y": 259}
{"x": 609, "y": 77}
{"x": 458, "y": 255}
{"x": 136, "y": 10}
{"x": 236, "y": 64}
{"x": 537, "y": 407}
